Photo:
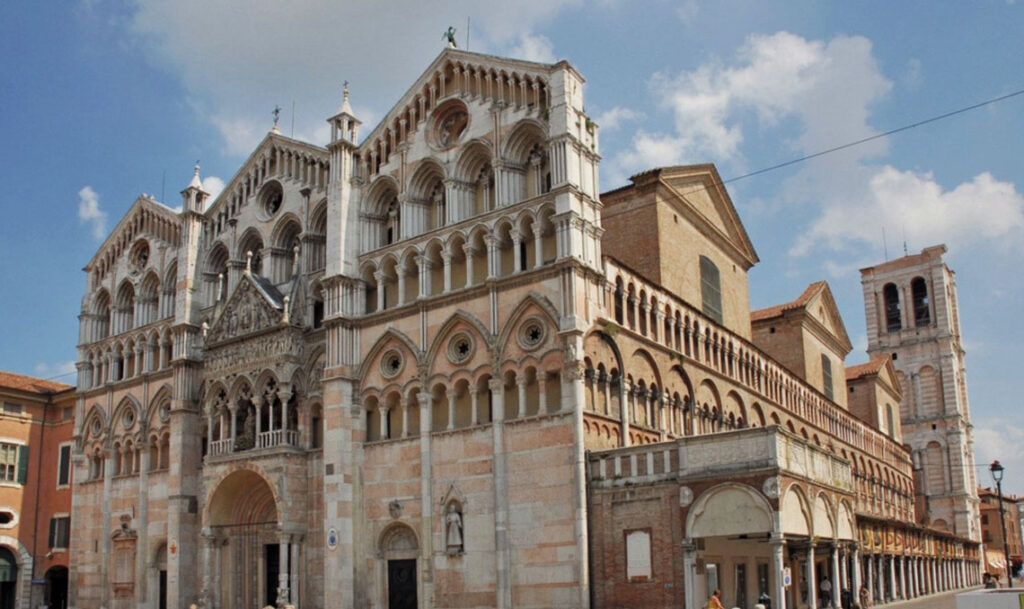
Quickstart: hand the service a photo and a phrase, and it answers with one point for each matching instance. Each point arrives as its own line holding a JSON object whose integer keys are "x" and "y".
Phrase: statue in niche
{"x": 453, "y": 522}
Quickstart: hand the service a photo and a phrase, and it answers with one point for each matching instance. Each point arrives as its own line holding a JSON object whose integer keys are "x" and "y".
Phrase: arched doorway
{"x": 159, "y": 575}
{"x": 247, "y": 565}
{"x": 399, "y": 550}
{"x": 57, "y": 588}
{"x": 8, "y": 578}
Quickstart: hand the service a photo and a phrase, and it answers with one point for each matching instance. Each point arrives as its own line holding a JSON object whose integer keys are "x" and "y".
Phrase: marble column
{"x": 778, "y": 548}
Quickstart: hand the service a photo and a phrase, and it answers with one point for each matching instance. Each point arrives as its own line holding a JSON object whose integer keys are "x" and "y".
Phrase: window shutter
{"x": 64, "y": 467}
{"x": 53, "y": 532}
{"x": 22, "y": 464}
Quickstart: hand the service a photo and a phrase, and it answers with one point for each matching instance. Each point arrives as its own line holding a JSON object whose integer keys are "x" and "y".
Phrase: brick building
{"x": 997, "y": 548}
{"x": 913, "y": 318}
{"x": 36, "y": 425}
{"x": 432, "y": 368}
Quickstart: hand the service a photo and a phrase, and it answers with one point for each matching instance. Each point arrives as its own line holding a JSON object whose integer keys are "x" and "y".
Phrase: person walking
{"x": 715, "y": 602}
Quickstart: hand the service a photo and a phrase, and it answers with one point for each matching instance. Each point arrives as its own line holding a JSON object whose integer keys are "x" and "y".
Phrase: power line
{"x": 875, "y": 137}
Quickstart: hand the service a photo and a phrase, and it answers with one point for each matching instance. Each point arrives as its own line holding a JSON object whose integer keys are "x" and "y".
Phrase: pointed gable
{"x": 145, "y": 218}
{"x": 470, "y": 75}
{"x": 254, "y": 307}
{"x": 276, "y": 157}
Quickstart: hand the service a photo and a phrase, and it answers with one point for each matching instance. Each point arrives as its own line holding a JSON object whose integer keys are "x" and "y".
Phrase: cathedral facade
{"x": 432, "y": 368}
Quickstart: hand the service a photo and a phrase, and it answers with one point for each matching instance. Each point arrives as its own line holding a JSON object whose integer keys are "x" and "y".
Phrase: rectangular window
{"x": 638, "y": 555}
{"x": 826, "y": 374}
{"x": 64, "y": 465}
{"x": 12, "y": 408}
{"x": 13, "y": 462}
{"x": 60, "y": 531}
{"x": 710, "y": 289}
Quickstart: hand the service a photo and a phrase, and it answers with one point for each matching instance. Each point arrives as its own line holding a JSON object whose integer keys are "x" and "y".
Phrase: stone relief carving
{"x": 685, "y": 496}
{"x": 246, "y": 312}
{"x": 770, "y": 488}
{"x": 269, "y": 349}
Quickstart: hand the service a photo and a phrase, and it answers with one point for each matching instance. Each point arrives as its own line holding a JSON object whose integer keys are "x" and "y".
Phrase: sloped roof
{"x": 19, "y": 382}
{"x": 799, "y": 303}
{"x": 861, "y": 370}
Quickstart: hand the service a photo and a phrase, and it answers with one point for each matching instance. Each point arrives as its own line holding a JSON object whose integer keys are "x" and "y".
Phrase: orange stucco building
{"x": 36, "y": 425}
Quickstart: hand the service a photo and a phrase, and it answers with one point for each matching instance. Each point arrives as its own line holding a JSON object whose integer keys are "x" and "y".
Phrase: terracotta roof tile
{"x": 9, "y": 380}
{"x": 872, "y": 367}
{"x": 778, "y": 310}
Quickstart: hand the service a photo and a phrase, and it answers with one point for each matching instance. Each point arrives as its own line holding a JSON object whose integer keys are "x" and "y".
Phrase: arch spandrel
{"x": 823, "y": 519}
{"x": 845, "y": 525}
{"x": 729, "y": 509}
{"x": 793, "y": 518}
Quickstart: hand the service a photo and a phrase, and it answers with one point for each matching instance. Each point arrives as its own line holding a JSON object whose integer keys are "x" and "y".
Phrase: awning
{"x": 995, "y": 560}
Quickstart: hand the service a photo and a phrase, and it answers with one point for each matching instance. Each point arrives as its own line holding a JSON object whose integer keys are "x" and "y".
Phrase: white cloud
{"x": 614, "y": 118}
{"x": 238, "y": 61}
{"x": 89, "y": 211}
{"x": 913, "y": 75}
{"x": 1000, "y": 440}
{"x": 826, "y": 87}
{"x": 687, "y": 11}
{"x": 56, "y": 371}
{"x": 213, "y": 186}
{"x": 534, "y": 47}
{"x": 983, "y": 210}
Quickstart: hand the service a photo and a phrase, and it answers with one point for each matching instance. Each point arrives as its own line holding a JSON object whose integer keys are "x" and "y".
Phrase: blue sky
{"x": 109, "y": 99}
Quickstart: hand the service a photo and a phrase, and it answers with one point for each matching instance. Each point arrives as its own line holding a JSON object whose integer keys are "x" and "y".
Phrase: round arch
{"x": 729, "y": 509}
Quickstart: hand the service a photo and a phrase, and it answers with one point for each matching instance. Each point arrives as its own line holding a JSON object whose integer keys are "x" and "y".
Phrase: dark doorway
{"x": 163, "y": 589}
{"x": 273, "y": 567}
{"x": 402, "y": 584}
{"x": 8, "y": 578}
{"x": 57, "y": 588}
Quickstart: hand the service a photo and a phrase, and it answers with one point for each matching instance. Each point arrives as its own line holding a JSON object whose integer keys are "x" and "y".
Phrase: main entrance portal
{"x": 245, "y": 559}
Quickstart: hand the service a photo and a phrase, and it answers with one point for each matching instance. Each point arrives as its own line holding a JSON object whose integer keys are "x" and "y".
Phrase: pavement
{"x": 946, "y": 600}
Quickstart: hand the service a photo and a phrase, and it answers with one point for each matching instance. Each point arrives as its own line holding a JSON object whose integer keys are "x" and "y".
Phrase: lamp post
{"x": 997, "y": 475}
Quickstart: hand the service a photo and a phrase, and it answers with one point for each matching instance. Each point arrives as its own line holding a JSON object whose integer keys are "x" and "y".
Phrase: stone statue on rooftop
{"x": 450, "y": 35}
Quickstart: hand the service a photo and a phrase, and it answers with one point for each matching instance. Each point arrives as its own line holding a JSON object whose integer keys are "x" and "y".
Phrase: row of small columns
{"x": 425, "y": 264}
{"x": 110, "y": 370}
{"x": 425, "y": 399}
{"x": 890, "y": 577}
{"x": 258, "y": 402}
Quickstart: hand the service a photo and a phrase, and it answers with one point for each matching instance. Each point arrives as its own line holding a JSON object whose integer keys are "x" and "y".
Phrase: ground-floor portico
{"x": 761, "y": 515}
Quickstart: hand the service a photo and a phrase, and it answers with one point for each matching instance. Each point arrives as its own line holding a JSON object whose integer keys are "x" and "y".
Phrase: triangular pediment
{"x": 699, "y": 194}
{"x": 820, "y": 305}
{"x": 253, "y": 307}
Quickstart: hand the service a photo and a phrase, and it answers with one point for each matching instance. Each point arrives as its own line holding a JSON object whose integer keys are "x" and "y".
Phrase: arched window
{"x": 890, "y": 421}
{"x": 891, "y": 296}
{"x": 922, "y": 312}
{"x": 826, "y": 375}
{"x": 710, "y": 289}
{"x": 392, "y": 223}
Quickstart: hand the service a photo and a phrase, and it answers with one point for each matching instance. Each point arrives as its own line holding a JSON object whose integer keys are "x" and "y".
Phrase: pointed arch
{"x": 390, "y": 335}
{"x": 511, "y": 323}
{"x": 458, "y": 317}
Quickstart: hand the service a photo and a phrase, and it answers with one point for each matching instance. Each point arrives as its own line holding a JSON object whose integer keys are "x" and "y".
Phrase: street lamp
{"x": 997, "y": 475}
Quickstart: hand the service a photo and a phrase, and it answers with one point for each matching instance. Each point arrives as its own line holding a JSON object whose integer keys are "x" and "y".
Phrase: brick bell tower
{"x": 913, "y": 317}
